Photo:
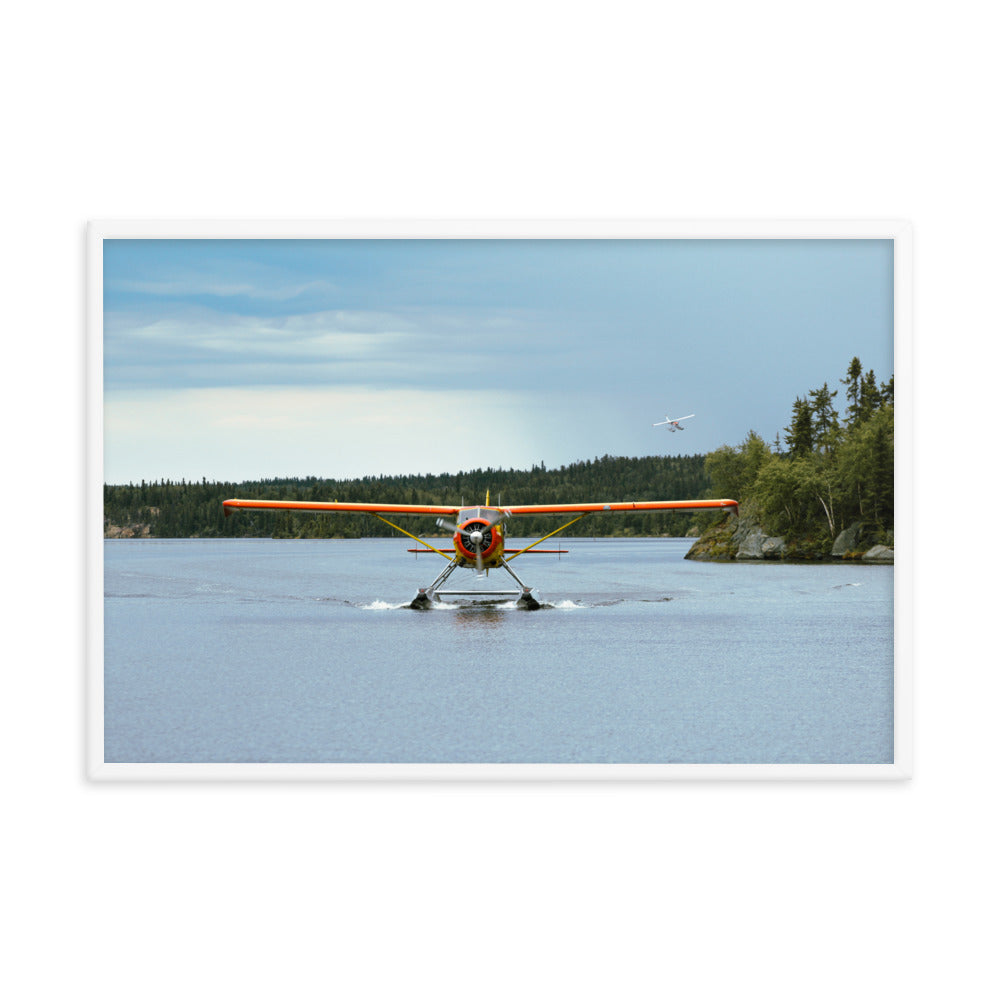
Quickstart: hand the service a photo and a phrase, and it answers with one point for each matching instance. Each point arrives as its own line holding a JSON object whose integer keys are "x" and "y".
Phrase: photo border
{"x": 900, "y": 232}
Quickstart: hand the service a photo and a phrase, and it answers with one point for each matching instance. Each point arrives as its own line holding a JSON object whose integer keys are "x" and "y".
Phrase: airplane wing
{"x": 627, "y": 505}
{"x": 404, "y": 508}
{"x": 347, "y": 508}
{"x": 688, "y": 417}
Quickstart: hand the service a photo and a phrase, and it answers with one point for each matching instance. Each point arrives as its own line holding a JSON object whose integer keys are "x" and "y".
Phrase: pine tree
{"x": 871, "y": 398}
{"x": 826, "y": 422}
{"x": 853, "y": 391}
{"x": 800, "y": 435}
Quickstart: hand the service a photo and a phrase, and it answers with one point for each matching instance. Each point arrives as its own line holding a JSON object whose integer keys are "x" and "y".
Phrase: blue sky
{"x": 246, "y": 359}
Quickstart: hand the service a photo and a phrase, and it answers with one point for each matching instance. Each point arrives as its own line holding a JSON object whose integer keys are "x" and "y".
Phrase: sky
{"x": 242, "y": 359}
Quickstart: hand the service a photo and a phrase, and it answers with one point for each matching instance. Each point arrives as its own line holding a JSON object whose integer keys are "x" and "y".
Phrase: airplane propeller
{"x": 477, "y": 537}
{"x": 474, "y": 539}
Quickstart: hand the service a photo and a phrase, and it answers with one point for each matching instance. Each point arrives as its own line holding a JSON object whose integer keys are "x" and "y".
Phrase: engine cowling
{"x": 478, "y": 534}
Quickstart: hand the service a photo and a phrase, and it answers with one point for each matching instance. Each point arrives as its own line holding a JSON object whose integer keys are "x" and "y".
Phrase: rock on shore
{"x": 878, "y": 554}
{"x": 716, "y": 543}
{"x": 126, "y": 531}
{"x": 744, "y": 539}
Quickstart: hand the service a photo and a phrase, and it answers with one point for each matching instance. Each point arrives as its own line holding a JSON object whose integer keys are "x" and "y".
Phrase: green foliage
{"x": 827, "y": 426}
{"x": 780, "y": 495}
{"x": 732, "y": 471}
{"x": 871, "y": 397}
{"x": 853, "y": 384}
{"x": 832, "y": 475}
{"x": 800, "y": 435}
{"x": 865, "y": 469}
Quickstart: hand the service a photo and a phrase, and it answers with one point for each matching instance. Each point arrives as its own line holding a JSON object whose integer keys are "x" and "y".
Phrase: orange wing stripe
{"x": 404, "y": 508}
{"x": 358, "y": 508}
{"x": 597, "y": 508}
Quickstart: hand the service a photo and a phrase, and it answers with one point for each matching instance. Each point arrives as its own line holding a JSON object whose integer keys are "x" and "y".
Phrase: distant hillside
{"x": 194, "y": 509}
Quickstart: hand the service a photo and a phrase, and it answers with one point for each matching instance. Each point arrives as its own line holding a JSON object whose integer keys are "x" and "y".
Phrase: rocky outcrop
{"x": 879, "y": 554}
{"x": 847, "y": 541}
{"x": 755, "y": 544}
{"x": 740, "y": 538}
{"x": 855, "y": 542}
{"x": 126, "y": 531}
{"x": 745, "y": 539}
{"x": 715, "y": 544}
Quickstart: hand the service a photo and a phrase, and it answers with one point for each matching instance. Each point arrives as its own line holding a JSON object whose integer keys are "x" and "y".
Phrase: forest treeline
{"x": 834, "y": 468}
{"x": 182, "y": 509}
{"x": 831, "y": 468}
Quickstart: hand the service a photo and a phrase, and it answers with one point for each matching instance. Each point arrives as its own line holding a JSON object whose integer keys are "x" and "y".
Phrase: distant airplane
{"x": 673, "y": 425}
{"x": 477, "y": 542}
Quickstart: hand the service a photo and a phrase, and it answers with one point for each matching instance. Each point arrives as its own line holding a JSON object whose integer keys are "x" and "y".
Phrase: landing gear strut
{"x": 426, "y": 597}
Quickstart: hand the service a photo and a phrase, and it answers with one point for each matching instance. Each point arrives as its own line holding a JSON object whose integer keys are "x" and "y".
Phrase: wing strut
{"x": 549, "y": 535}
{"x": 410, "y": 535}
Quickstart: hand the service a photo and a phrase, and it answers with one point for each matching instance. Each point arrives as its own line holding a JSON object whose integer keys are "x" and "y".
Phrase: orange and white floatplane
{"x": 478, "y": 534}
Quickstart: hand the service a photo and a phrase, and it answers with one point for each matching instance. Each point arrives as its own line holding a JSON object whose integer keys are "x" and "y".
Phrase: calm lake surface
{"x": 306, "y": 651}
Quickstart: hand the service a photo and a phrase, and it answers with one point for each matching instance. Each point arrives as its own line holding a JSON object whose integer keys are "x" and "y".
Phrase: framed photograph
{"x": 512, "y": 500}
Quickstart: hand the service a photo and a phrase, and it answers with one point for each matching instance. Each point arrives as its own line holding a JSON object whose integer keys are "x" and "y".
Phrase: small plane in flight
{"x": 673, "y": 425}
{"x": 477, "y": 540}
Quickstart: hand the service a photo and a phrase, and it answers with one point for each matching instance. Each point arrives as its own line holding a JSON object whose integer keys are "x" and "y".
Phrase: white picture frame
{"x": 899, "y": 232}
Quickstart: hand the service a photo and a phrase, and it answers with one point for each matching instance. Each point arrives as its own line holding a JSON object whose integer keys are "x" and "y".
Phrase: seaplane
{"x": 673, "y": 425}
{"x": 477, "y": 539}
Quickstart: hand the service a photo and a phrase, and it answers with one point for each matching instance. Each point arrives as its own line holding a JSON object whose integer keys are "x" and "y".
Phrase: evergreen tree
{"x": 864, "y": 470}
{"x": 871, "y": 398}
{"x": 853, "y": 391}
{"x": 800, "y": 435}
{"x": 826, "y": 421}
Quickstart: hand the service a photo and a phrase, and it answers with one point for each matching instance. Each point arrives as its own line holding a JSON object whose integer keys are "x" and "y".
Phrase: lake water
{"x": 306, "y": 651}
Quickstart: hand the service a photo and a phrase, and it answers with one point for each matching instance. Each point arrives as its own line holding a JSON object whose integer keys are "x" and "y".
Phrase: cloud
{"x": 195, "y": 346}
{"x": 194, "y": 286}
{"x": 251, "y": 432}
